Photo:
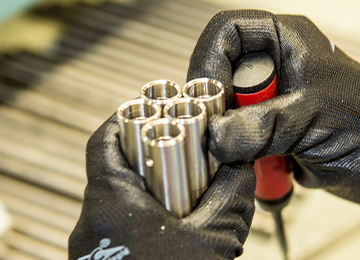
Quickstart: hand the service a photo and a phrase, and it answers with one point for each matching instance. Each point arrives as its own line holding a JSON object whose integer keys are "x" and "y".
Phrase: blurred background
{"x": 65, "y": 67}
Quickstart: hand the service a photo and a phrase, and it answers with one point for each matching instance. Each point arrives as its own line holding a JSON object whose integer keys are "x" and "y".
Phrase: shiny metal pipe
{"x": 192, "y": 115}
{"x": 164, "y": 146}
{"x": 211, "y": 93}
{"x": 132, "y": 116}
{"x": 161, "y": 91}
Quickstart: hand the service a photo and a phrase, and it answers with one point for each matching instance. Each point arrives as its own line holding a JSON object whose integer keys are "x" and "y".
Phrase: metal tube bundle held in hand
{"x": 171, "y": 152}
{"x": 164, "y": 138}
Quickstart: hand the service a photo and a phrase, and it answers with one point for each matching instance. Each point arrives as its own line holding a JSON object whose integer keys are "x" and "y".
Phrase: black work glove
{"x": 316, "y": 117}
{"x": 121, "y": 219}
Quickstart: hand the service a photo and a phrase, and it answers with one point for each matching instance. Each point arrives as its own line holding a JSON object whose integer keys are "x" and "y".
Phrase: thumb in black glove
{"x": 119, "y": 218}
{"x": 315, "y": 118}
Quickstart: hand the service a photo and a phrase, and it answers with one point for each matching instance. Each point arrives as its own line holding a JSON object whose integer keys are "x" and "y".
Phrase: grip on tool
{"x": 255, "y": 81}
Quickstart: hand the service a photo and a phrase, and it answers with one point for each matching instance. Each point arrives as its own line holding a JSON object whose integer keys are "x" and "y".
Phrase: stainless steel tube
{"x": 132, "y": 116}
{"x": 192, "y": 115}
{"x": 210, "y": 92}
{"x": 161, "y": 91}
{"x": 164, "y": 146}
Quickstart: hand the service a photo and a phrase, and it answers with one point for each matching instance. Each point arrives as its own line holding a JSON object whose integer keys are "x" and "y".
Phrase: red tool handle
{"x": 255, "y": 81}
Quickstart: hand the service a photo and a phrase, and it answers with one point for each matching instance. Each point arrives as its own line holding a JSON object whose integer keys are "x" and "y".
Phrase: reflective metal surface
{"x": 132, "y": 116}
{"x": 164, "y": 146}
{"x": 212, "y": 94}
{"x": 192, "y": 115}
{"x": 161, "y": 91}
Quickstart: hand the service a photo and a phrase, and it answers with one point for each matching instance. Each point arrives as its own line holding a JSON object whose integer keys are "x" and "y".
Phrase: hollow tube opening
{"x": 184, "y": 110}
{"x": 161, "y": 91}
{"x": 203, "y": 90}
{"x": 163, "y": 132}
{"x": 139, "y": 111}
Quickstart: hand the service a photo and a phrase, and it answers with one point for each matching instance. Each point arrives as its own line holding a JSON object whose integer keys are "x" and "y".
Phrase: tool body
{"x": 255, "y": 81}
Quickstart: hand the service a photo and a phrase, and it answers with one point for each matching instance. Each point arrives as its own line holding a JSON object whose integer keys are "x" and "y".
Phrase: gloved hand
{"x": 119, "y": 218}
{"x": 315, "y": 118}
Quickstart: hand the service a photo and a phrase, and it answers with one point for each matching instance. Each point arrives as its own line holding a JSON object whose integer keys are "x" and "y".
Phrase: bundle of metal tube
{"x": 164, "y": 138}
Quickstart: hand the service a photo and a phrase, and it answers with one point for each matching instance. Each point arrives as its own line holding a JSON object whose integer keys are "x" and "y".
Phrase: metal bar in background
{"x": 145, "y": 15}
{"x": 69, "y": 71}
{"x": 117, "y": 44}
{"x": 61, "y": 89}
{"x": 14, "y": 254}
{"x": 42, "y": 177}
{"x": 40, "y": 231}
{"x": 203, "y": 13}
{"x": 52, "y": 109}
{"x": 42, "y": 197}
{"x": 37, "y": 213}
{"x": 49, "y": 145}
{"x": 119, "y": 24}
{"x": 33, "y": 247}
{"x": 45, "y": 127}
{"x": 161, "y": 40}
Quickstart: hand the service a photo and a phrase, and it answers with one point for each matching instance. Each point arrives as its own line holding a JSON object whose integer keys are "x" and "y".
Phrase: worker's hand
{"x": 316, "y": 117}
{"x": 120, "y": 218}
